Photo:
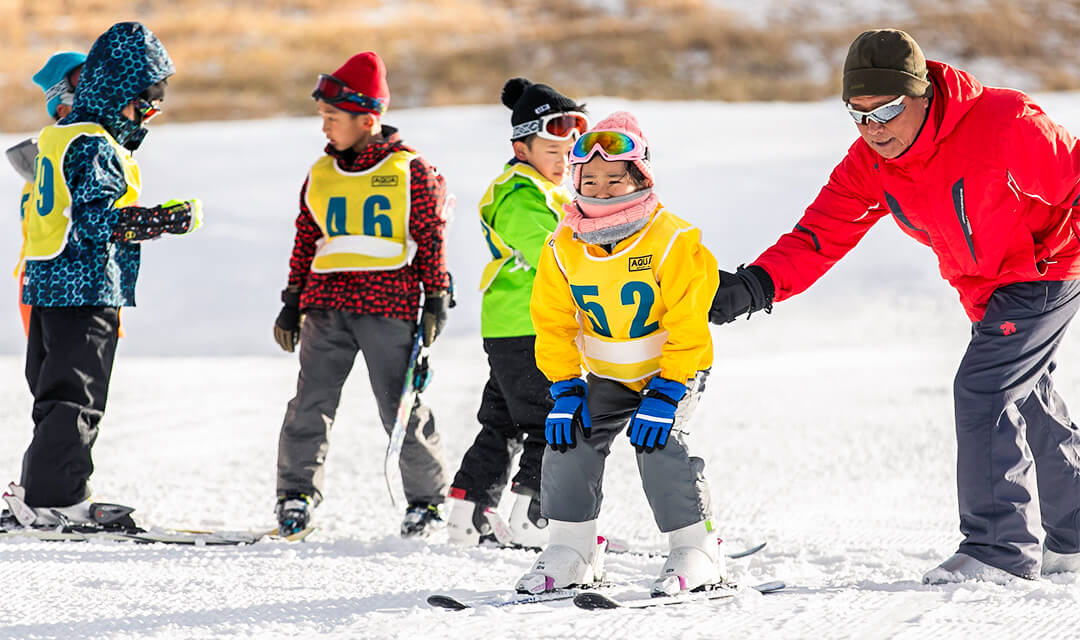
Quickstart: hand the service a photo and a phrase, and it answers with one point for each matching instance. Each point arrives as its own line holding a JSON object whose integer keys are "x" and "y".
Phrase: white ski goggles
{"x": 881, "y": 115}
{"x": 568, "y": 125}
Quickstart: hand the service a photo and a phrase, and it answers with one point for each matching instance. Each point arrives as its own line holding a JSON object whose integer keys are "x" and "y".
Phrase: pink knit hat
{"x": 623, "y": 122}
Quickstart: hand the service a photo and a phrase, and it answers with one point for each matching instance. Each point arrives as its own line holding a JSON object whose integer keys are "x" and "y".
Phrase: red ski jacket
{"x": 394, "y": 293}
{"x": 990, "y": 185}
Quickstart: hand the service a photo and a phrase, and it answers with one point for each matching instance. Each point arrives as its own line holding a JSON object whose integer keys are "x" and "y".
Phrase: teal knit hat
{"x": 53, "y": 79}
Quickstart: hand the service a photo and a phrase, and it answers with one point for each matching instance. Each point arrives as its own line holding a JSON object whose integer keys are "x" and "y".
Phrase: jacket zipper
{"x": 961, "y": 215}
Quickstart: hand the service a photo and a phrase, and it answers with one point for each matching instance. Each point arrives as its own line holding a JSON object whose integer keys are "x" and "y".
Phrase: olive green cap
{"x": 885, "y": 62}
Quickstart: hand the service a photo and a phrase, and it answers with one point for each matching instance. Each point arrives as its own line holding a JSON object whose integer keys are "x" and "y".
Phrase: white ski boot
{"x": 467, "y": 523}
{"x": 527, "y": 527}
{"x": 1054, "y": 562}
{"x": 78, "y": 513}
{"x": 694, "y": 560}
{"x": 15, "y": 497}
{"x": 574, "y": 556}
{"x": 960, "y": 567}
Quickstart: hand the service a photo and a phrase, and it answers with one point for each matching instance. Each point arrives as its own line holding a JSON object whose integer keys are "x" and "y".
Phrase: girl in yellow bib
{"x": 622, "y": 290}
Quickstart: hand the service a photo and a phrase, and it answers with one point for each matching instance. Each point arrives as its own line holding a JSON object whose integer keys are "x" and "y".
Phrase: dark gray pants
{"x": 1018, "y": 453}
{"x": 329, "y": 341}
{"x": 674, "y": 482}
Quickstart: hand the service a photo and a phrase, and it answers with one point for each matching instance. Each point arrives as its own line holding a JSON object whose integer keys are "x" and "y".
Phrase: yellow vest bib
{"x": 363, "y": 215}
{"x": 554, "y": 195}
{"x": 24, "y": 215}
{"x": 618, "y": 299}
{"x": 48, "y": 221}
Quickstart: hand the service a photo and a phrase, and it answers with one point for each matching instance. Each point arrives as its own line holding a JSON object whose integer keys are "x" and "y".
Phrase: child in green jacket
{"x": 520, "y": 209}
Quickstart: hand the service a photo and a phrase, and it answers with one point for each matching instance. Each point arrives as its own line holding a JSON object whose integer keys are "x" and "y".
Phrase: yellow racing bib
{"x": 24, "y": 215}
{"x": 618, "y": 297}
{"x": 554, "y": 195}
{"x": 363, "y": 215}
{"x": 48, "y": 211}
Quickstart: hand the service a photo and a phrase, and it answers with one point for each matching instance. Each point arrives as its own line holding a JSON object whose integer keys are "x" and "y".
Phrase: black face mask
{"x": 155, "y": 92}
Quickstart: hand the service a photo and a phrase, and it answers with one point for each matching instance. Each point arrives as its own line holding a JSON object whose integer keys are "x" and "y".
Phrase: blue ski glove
{"x": 652, "y": 421}
{"x": 570, "y": 410}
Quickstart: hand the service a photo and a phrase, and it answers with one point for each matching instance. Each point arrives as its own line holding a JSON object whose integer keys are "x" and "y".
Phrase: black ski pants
{"x": 69, "y": 360}
{"x": 512, "y": 412}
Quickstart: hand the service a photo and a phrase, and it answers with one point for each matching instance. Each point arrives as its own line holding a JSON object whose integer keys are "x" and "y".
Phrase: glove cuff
{"x": 667, "y": 390}
{"x": 761, "y": 287}
{"x": 290, "y": 297}
{"x": 571, "y": 387}
{"x": 436, "y": 300}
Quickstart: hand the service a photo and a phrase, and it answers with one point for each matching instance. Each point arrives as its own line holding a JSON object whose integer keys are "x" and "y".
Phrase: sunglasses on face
{"x": 555, "y": 126}
{"x": 333, "y": 91}
{"x": 146, "y": 109}
{"x": 881, "y": 115}
{"x": 611, "y": 145}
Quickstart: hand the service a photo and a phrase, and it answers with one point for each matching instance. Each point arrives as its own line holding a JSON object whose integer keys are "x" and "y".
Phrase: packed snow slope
{"x": 827, "y": 426}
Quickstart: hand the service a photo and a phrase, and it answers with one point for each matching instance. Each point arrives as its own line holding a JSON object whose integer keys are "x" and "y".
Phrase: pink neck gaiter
{"x": 608, "y": 220}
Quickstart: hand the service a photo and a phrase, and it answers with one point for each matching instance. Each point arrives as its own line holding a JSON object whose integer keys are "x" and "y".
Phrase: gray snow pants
{"x": 1018, "y": 453}
{"x": 571, "y": 485}
{"x": 329, "y": 341}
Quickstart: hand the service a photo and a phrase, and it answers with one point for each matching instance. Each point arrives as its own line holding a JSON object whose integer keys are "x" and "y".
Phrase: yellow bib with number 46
{"x": 363, "y": 215}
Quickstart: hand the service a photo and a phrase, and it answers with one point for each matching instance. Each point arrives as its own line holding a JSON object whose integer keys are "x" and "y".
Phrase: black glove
{"x": 747, "y": 290}
{"x": 433, "y": 319}
{"x": 287, "y": 325}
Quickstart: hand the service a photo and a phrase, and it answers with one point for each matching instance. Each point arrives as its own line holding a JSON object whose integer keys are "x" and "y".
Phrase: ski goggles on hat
{"x": 146, "y": 109}
{"x": 333, "y": 91}
{"x": 611, "y": 145}
{"x": 554, "y": 126}
{"x": 881, "y": 115}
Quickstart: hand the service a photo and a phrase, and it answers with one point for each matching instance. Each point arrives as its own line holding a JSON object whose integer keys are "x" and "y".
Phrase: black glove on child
{"x": 433, "y": 319}
{"x": 747, "y": 290}
{"x": 287, "y": 325}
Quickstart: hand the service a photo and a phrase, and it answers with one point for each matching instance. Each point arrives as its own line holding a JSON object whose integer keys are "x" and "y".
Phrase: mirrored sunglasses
{"x": 881, "y": 115}
{"x": 146, "y": 109}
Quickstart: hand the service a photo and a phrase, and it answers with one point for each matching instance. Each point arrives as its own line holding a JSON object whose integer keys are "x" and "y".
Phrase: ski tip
{"x": 272, "y": 534}
{"x": 301, "y": 535}
{"x": 770, "y": 587}
{"x": 443, "y": 601}
{"x": 747, "y": 552}
{"x": 594, "y": 601}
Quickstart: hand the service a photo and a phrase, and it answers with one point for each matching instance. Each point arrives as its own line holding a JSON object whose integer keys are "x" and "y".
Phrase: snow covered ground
{"x": 827, "y": 426}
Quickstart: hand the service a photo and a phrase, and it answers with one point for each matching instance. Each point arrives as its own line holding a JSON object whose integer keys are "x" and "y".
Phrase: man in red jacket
{"x": 985, "y": 179}
{"x": 369, "y": 238}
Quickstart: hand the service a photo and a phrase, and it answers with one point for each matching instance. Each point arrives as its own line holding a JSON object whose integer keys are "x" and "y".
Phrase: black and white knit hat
{"x": 529, "y": 102}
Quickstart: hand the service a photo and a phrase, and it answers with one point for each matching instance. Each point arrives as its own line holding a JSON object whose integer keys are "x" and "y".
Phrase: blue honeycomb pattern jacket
{"x": 94, "y": 269}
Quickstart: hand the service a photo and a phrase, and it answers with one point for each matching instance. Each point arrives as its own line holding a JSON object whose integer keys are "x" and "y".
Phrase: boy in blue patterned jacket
{"x": 82, "y": 253}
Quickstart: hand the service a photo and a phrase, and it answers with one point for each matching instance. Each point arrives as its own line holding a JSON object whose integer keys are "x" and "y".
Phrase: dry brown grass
{"x": 243, "y": 59}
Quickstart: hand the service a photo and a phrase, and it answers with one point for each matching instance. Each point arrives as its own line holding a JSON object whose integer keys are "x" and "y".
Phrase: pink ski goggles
{"x": 611, "y": 145}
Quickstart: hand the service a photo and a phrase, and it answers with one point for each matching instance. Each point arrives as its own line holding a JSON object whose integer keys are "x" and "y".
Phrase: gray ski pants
{"x": 571, "y": 485}
{"x": 1018, "y": 453}
{"x": 329, "y": 341}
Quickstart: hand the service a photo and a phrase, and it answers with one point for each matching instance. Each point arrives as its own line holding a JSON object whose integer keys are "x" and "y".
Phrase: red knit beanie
{"x": 365, "y": 73}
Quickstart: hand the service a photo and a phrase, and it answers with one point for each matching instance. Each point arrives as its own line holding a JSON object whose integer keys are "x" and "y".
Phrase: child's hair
{"x": 635, "y": 173}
